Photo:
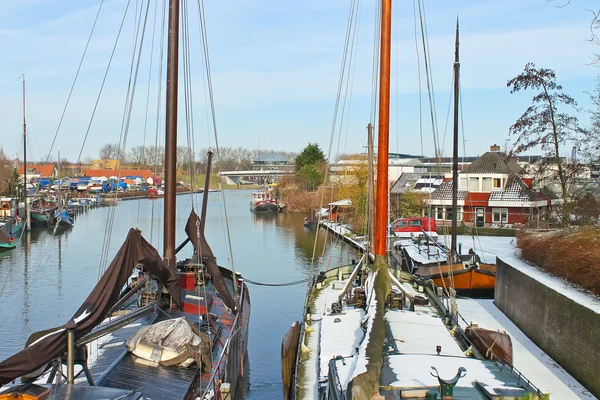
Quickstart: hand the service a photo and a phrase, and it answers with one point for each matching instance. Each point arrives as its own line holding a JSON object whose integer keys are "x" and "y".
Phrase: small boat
{"x": 8, "y": 241}
{"x": 155, "y": 193}
{"x": 263, "y": 201}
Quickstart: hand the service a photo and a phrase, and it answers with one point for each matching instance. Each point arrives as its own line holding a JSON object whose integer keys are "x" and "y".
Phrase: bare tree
{"x": 110, "y": 151}
{"x": 139, "y": 155}
{"x": 6, "y": 172}
{"x": 544, "y": 125}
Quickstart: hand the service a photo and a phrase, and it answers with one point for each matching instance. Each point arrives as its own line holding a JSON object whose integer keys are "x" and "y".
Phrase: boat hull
{"x": 464, "y": 280}
{"x": 264, "y": 207}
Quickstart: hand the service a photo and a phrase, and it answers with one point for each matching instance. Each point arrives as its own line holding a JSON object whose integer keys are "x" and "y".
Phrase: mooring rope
{"x": 276, "y": 284}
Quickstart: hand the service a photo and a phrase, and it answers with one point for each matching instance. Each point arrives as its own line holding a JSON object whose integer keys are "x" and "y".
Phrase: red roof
{"x": 44, "y": 170}
{"x": 477, "y": 199}
{"x": 144, "y": 173}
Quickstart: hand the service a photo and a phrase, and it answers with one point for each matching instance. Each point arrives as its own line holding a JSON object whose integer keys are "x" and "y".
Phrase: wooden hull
{"x": 493, "y": 345}
{"x": 461, "y": 278}
{"x": 289, "y": 353}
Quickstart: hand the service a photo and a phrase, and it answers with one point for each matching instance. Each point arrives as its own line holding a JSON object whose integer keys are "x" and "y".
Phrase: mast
{"x": 171, "y": 132}
{"x": 453, "y": 253}
{"x": 381, "y": 216}
{"x": 370, "y": 194}
{"x": 27, "y": 216}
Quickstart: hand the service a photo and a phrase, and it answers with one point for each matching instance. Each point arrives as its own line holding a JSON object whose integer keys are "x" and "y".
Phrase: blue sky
{"x": 275, "y": 68}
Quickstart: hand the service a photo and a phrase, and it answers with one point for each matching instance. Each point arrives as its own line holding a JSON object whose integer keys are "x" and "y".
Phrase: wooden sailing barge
{"x": 170, "y": 330}
{"x": 368, "y": 334}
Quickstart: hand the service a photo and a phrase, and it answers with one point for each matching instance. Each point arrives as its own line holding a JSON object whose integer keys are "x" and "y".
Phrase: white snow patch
{"x": 416, "y": 333}
{"x": 47, "y": 335}
{"x": 414, "y": 371}
{"x": 536, "y": 365}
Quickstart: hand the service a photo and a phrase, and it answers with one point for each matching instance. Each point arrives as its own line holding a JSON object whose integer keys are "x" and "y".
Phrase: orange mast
{"x": 381, "y": 217}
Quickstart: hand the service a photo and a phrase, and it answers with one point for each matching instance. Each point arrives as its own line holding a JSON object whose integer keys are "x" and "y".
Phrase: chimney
{"x": 494, "y": 147}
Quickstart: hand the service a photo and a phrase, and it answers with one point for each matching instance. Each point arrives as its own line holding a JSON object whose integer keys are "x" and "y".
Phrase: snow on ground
{"x": 488, "y": 247}
{"x": 536, "y": 365}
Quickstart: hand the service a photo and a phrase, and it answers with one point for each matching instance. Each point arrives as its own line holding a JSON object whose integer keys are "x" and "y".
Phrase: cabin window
{"x": 500, "y": 215}
{"x": 464, "y": 183}
{"x": 474, "y": 184}
{"x": 487, "y": 185}
{"x": 414, "y": 222}
{"x": 401, "y": 224}
{"x": 439, "y": 213}
{"x": 497, "y": 183}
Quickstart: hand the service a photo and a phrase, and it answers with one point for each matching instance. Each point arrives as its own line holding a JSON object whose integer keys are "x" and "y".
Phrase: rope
{"x": 276, "y": 284}
{"x": 75, "y": 80}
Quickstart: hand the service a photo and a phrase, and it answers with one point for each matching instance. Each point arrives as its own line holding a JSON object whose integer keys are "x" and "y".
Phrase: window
{"x": 459, "y": 213}
{"x": 401, "y": 224}
{"x": 464, "y": 183}
{"x": 439, "y": 213}
{"x": 474, "y": 184}
{"x": 497, "y": 183}
{"x": 414, "y": 222}
{"x": 500, "y": 215}
{"x": 448, "y": 213}
{"x": 487, "y": 185}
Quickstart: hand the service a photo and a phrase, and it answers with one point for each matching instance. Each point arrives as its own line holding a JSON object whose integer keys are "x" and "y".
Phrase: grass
{"x": 571, "y": 254}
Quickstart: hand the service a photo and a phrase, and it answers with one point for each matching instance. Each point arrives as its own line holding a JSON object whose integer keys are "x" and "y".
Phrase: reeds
{"x": 572, "y": 254}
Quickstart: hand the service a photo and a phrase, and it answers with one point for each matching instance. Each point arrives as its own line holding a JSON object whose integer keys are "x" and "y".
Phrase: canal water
{"x": 47, "y": 277}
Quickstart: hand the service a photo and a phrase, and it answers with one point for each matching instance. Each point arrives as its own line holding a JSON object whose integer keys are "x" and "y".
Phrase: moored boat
{"x": 369, "y": 333}
{"x": 197, "y": 308}
{"x": 263, "y": 201}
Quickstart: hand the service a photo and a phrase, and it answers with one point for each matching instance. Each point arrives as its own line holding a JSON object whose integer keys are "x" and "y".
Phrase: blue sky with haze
{"x": 275, "y": 68}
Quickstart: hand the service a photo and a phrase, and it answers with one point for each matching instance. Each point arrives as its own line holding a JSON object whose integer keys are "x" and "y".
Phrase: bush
{"x": 570, "y": 254}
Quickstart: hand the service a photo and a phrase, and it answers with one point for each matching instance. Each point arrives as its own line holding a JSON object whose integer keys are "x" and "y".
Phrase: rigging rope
{"x": 75, "y": 80}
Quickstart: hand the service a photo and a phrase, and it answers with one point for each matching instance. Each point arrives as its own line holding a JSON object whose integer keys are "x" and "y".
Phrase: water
{"x": 44, "y": 281}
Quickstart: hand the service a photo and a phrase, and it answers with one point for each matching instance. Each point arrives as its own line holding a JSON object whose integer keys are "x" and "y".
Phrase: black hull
{"x": 264, "y": 208}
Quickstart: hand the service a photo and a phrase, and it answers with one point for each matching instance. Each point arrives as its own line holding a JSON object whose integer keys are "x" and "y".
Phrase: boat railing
{"x": 335, "y": 391}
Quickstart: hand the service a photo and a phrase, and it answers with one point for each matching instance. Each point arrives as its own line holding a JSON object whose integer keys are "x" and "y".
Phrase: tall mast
{"x": 27, "y": 213}
{"x": 24, "y": 142}
{"x": 453, "y": 254}
{"x": 381, "y": 216}
{"x": 171, "y": 132}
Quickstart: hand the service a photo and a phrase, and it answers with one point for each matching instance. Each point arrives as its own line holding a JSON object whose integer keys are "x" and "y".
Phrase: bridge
{"x": 258, "y": 176}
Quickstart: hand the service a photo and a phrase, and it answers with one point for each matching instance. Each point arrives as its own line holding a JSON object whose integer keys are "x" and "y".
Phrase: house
{"x": 273, "y": 162}
{"x": 39, "y": 171}
{"x": 491, "y": 192}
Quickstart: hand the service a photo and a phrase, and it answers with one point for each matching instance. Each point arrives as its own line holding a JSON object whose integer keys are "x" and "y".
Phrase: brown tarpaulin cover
{"x": 95, "y": 308}
{"x": 202, "y": 249}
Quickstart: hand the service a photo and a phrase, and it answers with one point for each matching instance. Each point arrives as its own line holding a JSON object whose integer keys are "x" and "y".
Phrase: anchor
{"x": 447, "y": 386}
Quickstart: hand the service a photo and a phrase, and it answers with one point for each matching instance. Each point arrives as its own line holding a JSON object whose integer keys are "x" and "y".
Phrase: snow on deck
{"x": 536, "y": 365}
{"x": 341, "y": 335}
{"x": 417, "y": 333}
{"x": 414, "y": 371}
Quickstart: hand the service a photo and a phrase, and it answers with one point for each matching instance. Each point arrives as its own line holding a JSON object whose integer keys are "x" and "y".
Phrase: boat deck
{"x": 156, "y": 382}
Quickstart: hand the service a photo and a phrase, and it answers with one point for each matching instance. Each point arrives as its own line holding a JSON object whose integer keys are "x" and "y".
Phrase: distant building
{"x": 346, "y": 171}
{"x": 39, "y": 171}
{"x": 272, "y": 162}
{"x": 106, "y": 164}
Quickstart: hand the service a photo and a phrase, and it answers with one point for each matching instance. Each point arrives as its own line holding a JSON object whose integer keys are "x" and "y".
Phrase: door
{"x": 479, "y": 217}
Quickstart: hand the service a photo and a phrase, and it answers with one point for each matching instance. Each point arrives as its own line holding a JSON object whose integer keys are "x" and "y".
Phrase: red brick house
{"x": 491, "y": 193}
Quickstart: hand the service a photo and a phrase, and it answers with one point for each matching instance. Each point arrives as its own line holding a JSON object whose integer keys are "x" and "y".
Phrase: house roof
{"x": 493, "y": 162}
{"x": 444, "y": 192}
{"x": 515, "y": 190}
{"x": 44, "y": 170}
{"x": 419, "y": 181}
{"x": 144, "y": 173}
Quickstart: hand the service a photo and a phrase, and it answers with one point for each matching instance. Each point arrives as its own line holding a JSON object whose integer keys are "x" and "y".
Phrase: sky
{"x": 275, "y": 67}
